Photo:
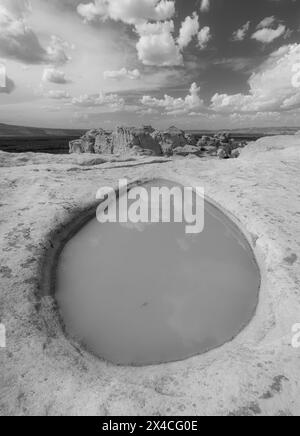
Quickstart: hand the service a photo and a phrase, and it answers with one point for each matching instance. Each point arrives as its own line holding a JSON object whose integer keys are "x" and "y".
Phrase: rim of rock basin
{"x": 81, "y": 215}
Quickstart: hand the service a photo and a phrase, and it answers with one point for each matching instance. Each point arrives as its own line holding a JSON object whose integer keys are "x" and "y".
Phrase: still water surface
{"x": 140, "y": 295}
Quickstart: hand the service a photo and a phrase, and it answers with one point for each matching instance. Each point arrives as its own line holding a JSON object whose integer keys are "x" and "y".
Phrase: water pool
{"x": 150, "y": 294}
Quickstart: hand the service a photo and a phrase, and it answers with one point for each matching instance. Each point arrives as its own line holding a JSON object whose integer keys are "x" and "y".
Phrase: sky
{"x": 198, "y": 64}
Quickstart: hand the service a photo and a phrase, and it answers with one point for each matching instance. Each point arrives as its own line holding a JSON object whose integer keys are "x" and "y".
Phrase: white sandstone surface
{"x": 43, "y": 373}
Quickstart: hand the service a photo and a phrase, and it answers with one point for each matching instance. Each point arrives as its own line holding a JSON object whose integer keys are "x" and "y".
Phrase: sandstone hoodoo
{"x": 137, "y": 140}
{"x": 94, "y": 141}
{"x": 171, "y": 139}
{"x": 146, "y": 141}
{"x": 122, "y": 141}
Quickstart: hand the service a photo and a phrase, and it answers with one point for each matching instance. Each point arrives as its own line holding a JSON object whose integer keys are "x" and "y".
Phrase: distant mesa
{"x": 146, "y": 141}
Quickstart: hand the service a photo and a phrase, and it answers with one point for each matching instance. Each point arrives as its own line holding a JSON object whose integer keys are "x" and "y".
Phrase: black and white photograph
{"x": 149, "y": 211}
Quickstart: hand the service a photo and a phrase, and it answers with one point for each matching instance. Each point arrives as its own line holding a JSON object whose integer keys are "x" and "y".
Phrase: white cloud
{"x": 268, "y": 35}
{"x": 173, "y": 106}
{"x": 189, "y": 28}
{"x": 113, "y": 101}
{"x": 271, "y": 87}
{"x": 241, "y": 33}
{"x": 128, "y": 11}
{"x": 56, "y": 51}
{"x": 257, "y": 118}
{"x": 17, "y": 7}
{"x": 19, "y": 42}
{"x": 148, "y": 111}
{"x": 204, "y": 36}
{"x": 205, "y": 5}
{"x": 123, "y": 73}
{"x": 57, "y": 95}
{"x": 54, "y": 76}
{"x": 266, "y": 22}
{"x": 157, "y": 46}
{"x": 268, "y": 30}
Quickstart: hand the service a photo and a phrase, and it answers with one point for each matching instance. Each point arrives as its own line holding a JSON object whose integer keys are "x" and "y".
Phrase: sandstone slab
{"x": 44, "y": 373}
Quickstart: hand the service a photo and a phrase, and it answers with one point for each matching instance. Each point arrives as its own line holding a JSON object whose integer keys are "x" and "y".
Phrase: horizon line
{"x": 144, "y": 125}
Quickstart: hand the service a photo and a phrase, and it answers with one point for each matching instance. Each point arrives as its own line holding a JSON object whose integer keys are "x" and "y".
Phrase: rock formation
{"x": 94, "y": 141}
{"x": 130, "y": 140}
{"x": 170, "y": 139}
{"x": 236, "y": 153}
{"x": 187, "y": 150}
{"x": 137, "y": 141}
{"x": 76, "y": 146}
{"x": 220, "y": 145}
{"x": 146, "y": 141}
{"x": 103, "y": 142}
{"x": 124, "y": 140}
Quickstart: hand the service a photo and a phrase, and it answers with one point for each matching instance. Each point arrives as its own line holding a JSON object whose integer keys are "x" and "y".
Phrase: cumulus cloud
{"x": 129, "y": 11}
{"x": 148, "y": 111}
{"x": 152, "y": 20}
{"x": 57, "y": 95}
{"x": 204, "y": 36}
{"x": 241, "y": 33}
{"x": 157, "y": 45}
{"x": 266, "y": 22}
{"x": 268, "y": 35}
{"x": 56, "y": 51}
{"x": 271, "y": 87}
{"x": 19, "y": 42}
{"x": 112, "y": 101}
{"x": 205, "y": 5}
{"x": 189, "y": 28}
{"x": 172, "y": 106}
{"x": 17, "y": 7}
{"x": 54, "y": 76}
{"x": 121, "y": 74}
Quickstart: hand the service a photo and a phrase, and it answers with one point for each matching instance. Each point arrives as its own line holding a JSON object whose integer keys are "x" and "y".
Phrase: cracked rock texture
{"x": 123, "y": 141}
{"x": 43, "y": 373}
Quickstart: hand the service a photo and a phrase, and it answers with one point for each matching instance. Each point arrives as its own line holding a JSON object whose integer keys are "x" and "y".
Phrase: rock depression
{"x": 44, "y": 373}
